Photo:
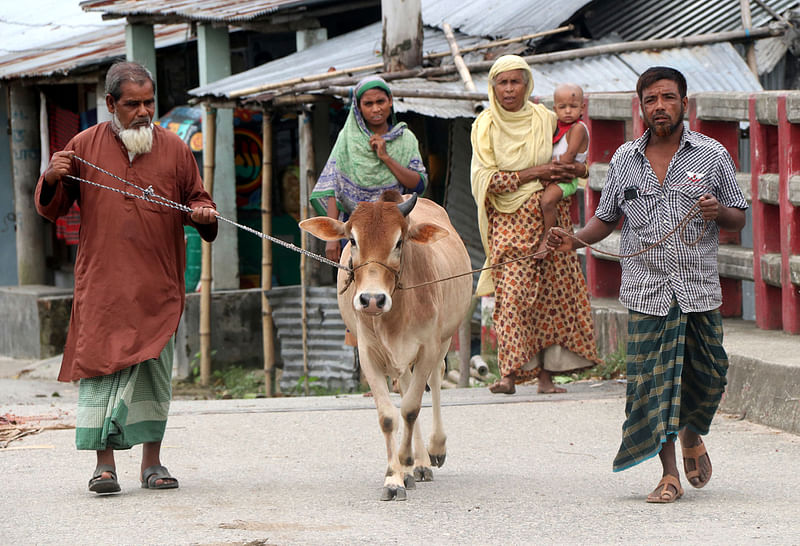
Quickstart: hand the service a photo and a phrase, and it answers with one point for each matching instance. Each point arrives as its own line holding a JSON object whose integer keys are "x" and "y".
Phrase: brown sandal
{"x": 667, "y": 495}
{"x": 694, "y": 454}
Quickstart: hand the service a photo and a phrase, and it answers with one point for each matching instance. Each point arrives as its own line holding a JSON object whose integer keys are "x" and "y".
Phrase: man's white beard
{"x": 137, "y": 141}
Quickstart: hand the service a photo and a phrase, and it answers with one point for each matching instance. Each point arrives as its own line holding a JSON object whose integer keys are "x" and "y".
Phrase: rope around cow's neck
{"x": 149, "y": 195}
{"x": 694, "y": 211}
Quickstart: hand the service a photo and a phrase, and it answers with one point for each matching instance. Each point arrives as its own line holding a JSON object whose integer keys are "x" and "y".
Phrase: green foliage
{"x": 299, "y": 388}
{"x": 238, "y": 382}
{"x": 612, "y": 367}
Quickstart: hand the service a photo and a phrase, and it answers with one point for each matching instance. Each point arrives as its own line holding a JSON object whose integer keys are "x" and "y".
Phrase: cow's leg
{"x": 393, "y": 484}
{"x": 418, "y": 444}
{"x": 437, "y": 449}
{"x": 409, "y": 409}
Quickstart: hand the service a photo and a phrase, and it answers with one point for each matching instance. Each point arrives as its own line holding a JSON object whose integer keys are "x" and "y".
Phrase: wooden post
{"x": 266, "y": 250}
{"x": 402, "y": 34}
{"x": 205, "y": 272}
{"x": 747, "y": 24}
{"x": 306, "y": 181}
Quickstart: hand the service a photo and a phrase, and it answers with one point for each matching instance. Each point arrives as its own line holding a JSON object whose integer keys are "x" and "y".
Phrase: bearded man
{"x": 676, "y": 364}
{"x": 129, "y": 273}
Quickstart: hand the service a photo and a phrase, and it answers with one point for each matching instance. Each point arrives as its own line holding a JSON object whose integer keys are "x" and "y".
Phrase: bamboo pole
{"x": 774, "y": 14}
{"x": 307, "y": 153}
{"x": 458, "y": 61}
{"x": 747, "y": 23}
{"x": 556, "y": 56}
{"x": 209, "y": 152}
{"x": 266, "y": 250}
{"x": 463, "y": 71}
{"x": 378, "y": 66}
{"x": 415, "y": 93}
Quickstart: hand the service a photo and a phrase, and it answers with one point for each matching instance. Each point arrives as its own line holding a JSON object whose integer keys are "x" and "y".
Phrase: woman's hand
{"x": 548, "y": 173}
{"x": 378, "y": 145}
{"x": 333, "y": 251}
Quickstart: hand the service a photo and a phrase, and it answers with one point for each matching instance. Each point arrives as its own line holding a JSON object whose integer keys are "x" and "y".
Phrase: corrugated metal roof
{"x": 358, "y": 48}
{"x": 229, "y": 11}
{"x": 715, "y": 67}
{"x": 646, "y": 19}
{"x": 61, "y": 57}
{"x": 500, "y": 18}
{"x": 25, "y": 26}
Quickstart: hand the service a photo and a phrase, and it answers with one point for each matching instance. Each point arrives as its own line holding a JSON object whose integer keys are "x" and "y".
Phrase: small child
{"x": 570, "y": 145}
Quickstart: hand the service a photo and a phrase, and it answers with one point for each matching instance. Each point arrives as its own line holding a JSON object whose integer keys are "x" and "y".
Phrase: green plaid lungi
{"x": 676, "y": 370}
{"x": 128, "y": 407}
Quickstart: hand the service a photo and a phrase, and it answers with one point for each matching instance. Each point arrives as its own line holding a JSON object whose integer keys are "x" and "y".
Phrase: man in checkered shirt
{"x": 676, "y": 364}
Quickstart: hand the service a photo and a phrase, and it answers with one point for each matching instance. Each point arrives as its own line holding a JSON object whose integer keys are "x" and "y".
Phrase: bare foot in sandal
{"x": 696, "y": 462}
{"x": 546, "y": 385}
{"x": 668, "y": 490}
{"x": 505, "y": 386}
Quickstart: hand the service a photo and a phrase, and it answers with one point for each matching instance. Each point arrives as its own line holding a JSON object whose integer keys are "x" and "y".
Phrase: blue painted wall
{"x": 8, "y": 243}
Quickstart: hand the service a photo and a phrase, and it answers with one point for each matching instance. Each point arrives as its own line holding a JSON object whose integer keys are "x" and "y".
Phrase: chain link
{"x": 149, "y": 195}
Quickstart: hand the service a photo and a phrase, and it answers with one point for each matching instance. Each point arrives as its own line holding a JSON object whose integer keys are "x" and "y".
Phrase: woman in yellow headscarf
{"x": 542, "y": 314}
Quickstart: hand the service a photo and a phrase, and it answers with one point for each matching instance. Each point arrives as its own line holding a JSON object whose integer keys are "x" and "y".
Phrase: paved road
{"x": 522, "y": 469}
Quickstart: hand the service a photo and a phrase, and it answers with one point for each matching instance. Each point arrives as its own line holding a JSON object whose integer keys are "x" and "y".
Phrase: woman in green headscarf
{"x": 373, "y": 153}
{"x": 542, "y": 314}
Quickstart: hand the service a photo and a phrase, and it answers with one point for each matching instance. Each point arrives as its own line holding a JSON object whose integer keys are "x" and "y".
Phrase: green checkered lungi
{"x": 128, "y": 407}
{"x": 676, "y": 370}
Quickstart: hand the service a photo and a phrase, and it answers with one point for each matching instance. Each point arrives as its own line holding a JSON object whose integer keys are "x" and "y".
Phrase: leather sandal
{"x": 99, "y": 484}
{"x": 157, "y": 472}
{"x": 667, "y": 495}
{"x": 694, "y": 454}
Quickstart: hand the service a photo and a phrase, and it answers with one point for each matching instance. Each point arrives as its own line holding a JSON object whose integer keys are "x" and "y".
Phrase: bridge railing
{"x": 772, "y": 187}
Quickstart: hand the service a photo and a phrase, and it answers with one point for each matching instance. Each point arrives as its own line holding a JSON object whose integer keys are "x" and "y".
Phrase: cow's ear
{"x": 324, "y": 227}
{"x": 426, "y": 233}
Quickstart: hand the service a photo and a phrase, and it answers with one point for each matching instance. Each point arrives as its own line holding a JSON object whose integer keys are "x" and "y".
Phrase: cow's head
{"x": 377, "y": 233}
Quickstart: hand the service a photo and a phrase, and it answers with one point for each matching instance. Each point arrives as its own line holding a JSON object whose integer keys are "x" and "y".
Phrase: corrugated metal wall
{"x": 329, "y": 359}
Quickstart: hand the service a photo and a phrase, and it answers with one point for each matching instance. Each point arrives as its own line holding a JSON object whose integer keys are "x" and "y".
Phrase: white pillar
{"x": 214, "y": 63}
{"x": 25, "y": 159}
{"x": 102, "y": 110}
{"x": 140, "y": 46}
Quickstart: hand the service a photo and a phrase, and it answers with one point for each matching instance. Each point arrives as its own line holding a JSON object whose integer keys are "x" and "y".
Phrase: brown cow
{"x": 402, "y": 334}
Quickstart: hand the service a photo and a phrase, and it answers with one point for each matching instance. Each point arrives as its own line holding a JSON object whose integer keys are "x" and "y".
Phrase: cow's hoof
{"x": 423, "y": 474}
{"x": 409, "y": 480}
{"x": 392, "y": 492}
{"x": 437, "y": 460}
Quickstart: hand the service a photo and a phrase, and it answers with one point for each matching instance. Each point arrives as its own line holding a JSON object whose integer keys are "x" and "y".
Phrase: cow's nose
{"x": 367, "y": 299}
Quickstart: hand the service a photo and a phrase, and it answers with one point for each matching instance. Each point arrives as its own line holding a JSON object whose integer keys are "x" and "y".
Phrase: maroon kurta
{"x": 129, "y": 272}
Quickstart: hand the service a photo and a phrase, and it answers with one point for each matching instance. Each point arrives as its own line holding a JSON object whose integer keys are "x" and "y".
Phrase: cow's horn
{"x": 407, "y": 206}
{"x": 347, "y": 204}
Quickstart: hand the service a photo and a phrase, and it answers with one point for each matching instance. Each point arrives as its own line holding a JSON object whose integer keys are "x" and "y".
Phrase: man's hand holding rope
{"x": 596, "y": 230}
{"x": 60, "y": 166}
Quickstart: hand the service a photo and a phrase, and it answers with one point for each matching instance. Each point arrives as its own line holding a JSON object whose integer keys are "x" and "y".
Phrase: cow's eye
{"x": 399, "y": 244}
{"x": 352, "y": 242}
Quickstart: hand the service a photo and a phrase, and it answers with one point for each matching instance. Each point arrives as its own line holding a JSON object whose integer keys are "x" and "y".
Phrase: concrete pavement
{"x": 522, "y": 469}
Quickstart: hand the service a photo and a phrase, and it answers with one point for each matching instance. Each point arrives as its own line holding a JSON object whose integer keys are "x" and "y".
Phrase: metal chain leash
{"x": 149, "y": 195}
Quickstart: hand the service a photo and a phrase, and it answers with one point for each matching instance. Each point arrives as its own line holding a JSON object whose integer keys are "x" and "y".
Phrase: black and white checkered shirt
{"x": 701, "y": 165}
